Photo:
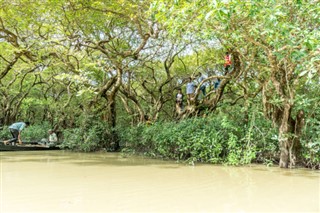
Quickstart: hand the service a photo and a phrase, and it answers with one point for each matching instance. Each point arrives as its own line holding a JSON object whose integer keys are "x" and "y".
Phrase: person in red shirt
{"x": 227, "y": 62}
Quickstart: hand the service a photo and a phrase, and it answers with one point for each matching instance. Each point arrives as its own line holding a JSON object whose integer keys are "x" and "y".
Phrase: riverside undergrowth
{"x": 210, "y": 140}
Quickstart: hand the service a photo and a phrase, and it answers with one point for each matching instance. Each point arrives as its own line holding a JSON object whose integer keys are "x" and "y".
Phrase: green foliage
{"x": 311, "y": 143}
{"x": 92, "y": 135}
{"x": 36, "y": 132}
{"x": 214, "y": 139}
{"x": 310, "y": 138}
{"x": 4, "y": 133}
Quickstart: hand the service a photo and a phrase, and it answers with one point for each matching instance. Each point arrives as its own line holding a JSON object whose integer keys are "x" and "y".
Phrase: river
{"x": 61, "y": 181}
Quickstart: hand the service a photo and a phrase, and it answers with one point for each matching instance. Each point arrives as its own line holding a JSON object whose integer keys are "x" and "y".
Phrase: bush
{"x": 311, "y": 143}
{"x": 212, "y": 140}
{"x": 92, "y": 135}
{"x": 5, "y": 133}
{"x": 222, "y": 138}
{"x": 35, "y": 132}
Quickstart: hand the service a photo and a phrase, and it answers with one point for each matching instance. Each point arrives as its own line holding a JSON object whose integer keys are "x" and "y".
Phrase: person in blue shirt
{"x": 190, "y": 90}
{"x": 15, "y": 130}
{"x": 204, "y": 85}
{"x": 216, "y": 84}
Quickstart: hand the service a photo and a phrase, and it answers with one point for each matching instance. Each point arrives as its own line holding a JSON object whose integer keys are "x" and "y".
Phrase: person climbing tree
{"x": 190, "y": 90}
{"x": 147, "y": 120}
{"x": 227, "y": 62}
{"x": 179, "y": 101}
{"x": 203, "y": 86}
{"x": 216, "y": 84}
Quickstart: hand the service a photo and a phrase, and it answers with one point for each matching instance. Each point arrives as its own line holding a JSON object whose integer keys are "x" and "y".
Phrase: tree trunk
{"x": 112, "y": 113}
{"x": 289, "y": 137}
{"x": 112, "y": 121}
{"x": 295, "y": 147}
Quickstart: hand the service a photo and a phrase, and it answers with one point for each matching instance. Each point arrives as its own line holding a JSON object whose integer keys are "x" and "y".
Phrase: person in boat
{"x": 15, "y": 130}
{"x": 52, "y": 137}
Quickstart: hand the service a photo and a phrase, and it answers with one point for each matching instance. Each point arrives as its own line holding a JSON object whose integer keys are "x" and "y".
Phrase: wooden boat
{"x": 31, "y": 146}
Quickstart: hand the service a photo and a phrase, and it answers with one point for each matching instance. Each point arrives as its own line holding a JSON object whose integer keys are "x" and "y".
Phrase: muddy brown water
{"x": 60, "y": 181}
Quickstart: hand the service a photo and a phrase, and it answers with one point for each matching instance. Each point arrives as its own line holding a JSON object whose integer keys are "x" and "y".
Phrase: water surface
{"x": 60, "y": 181}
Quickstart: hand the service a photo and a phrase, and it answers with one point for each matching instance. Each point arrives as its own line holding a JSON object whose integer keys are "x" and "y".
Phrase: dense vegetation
{"x": 95, "y": 70}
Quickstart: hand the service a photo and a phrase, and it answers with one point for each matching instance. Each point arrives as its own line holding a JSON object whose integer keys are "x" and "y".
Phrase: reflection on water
{"x": 59, "y": 181}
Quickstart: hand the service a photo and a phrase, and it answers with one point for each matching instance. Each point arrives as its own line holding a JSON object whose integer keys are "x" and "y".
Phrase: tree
{"x": 282, "y": 42}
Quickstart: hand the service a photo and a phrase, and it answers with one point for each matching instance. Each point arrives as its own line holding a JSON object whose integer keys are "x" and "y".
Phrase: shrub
{"x": 212, "y": 139}
{"x": 91, "y": 136}
{"x": 311, "y": 143}
{"x": 35, "y": 132}
{"x": 5, "y": 133}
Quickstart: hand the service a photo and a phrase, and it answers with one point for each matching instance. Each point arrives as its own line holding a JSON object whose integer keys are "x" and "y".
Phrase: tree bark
{"x": 284, "y": 137}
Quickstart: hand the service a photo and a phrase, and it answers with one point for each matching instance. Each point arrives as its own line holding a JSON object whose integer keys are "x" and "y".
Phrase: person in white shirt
{"x": 52, "y": 136}
{"x": 179, "y": 101}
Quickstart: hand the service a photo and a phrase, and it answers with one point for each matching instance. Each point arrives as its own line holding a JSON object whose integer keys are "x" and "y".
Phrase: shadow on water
{"x": 120, "y": 160}
{"x": 303, "y": 172}
{"x": 84, "y": 159}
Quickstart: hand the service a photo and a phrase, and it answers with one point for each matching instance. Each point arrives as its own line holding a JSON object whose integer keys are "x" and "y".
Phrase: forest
{"x": 105, "y": 74}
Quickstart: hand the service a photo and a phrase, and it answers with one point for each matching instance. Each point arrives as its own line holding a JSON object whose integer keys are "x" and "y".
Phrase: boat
{"x": 31, "y": 146}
